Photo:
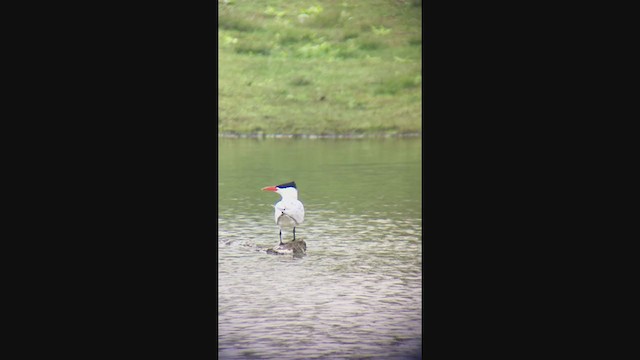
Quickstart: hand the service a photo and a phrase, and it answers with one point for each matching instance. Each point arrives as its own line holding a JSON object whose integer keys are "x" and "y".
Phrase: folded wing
{"x": 292, "y": 208}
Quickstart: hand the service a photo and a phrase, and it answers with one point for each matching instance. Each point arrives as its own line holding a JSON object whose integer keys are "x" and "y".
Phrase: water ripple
{"x": 357, "y": 293}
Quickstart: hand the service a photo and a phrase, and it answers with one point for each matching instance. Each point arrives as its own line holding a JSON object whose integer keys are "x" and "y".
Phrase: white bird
{"x": 289, "y": 211}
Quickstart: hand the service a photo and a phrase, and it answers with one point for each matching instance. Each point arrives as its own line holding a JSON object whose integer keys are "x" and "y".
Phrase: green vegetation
{"x": 320, "y": 67}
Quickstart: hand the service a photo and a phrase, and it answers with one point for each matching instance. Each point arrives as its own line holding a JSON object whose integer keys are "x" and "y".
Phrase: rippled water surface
{"x": 357, "y": 294}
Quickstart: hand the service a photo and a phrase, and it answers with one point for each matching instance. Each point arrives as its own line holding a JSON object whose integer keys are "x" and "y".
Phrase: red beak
{"x": 270, "y": 188}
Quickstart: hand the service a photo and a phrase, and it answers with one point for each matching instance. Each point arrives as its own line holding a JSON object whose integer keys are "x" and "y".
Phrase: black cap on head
{"x": 289, "y": 184}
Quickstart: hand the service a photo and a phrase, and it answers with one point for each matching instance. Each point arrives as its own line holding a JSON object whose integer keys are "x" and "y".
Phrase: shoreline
{"x": 315, "y": 136}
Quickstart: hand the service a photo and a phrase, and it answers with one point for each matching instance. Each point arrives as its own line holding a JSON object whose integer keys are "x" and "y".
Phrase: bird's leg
{"x": 294, "y": 233}
{"x": 280, "y": 236}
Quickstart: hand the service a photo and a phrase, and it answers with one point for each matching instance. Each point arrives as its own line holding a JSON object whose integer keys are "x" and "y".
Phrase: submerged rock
{"x": 297, "y": 248}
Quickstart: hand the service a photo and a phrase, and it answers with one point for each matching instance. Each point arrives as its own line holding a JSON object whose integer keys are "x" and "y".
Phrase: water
{"x": 357, "y": 294}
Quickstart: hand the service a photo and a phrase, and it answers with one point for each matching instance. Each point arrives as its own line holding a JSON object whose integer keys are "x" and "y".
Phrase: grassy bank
{"x": 319, "y": 67}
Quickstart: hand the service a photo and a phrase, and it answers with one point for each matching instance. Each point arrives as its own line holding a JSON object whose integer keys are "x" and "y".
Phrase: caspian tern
{"x": 289, "y": 211}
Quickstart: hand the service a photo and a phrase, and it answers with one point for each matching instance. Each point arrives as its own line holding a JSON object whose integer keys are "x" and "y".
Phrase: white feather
{"x": 289, "y": 211}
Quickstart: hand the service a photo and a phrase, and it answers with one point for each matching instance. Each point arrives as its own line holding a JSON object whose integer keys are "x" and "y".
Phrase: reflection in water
{"x": 358, "y": 292}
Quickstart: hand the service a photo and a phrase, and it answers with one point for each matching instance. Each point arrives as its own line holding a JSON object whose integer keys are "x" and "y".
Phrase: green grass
{"x": 319, "y": 67}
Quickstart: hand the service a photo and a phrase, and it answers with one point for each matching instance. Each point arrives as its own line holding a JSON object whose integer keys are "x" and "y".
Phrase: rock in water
{"x": 297, "y": 248}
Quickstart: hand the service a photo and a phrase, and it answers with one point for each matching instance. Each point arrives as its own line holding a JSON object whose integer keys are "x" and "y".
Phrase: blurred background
{"x": 319, "y": 67}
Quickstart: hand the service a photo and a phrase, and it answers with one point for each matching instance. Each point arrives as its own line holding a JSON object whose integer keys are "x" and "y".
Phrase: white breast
{"x": 289, "y": 213}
